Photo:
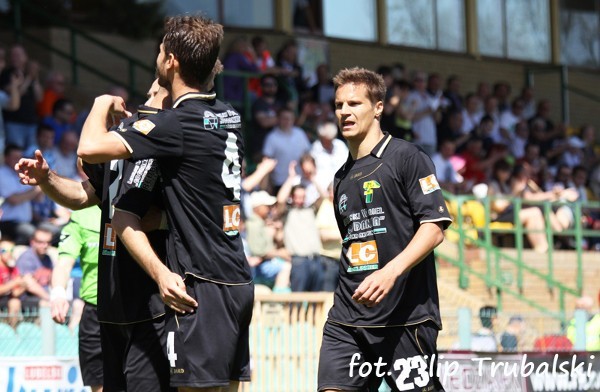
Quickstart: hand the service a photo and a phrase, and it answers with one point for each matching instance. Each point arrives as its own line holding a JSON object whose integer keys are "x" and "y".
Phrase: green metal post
{"x": 578, "y": 247}
{"x": 463, "y": 279}
{"x": 581, "y": 319}
{"x": 464, "y": 328}
{"x": 74, "y": 68}
{"x": 549, "y": 233}
{"x": 498, "y": 278}
{"x": 519, "y": 242}
{"x": 561, "y": 302}
{"x": 488, "y": 237}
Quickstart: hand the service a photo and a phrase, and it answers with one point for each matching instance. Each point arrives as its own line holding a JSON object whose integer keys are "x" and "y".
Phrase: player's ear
{"x": 171, "y": 61}
{"x": 378, "y": 109}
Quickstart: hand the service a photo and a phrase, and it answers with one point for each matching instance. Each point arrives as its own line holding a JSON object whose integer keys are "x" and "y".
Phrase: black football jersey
{"x": 126, "y": 294}
{"x": 380, "y": 202}
{"x": 199, "y": 149}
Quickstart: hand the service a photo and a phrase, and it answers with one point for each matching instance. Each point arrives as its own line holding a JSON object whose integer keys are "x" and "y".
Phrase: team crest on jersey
{"x": 363, "y": 256}
{"x": 343, "y": 203}
{"x": 144, "y": 126}
{"x": 211, "y": 121}
{"x": 369, "y": 186}
{"x": 429, "y": 184}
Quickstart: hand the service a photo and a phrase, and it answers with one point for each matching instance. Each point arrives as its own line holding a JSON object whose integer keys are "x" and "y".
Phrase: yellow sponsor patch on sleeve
{"x": 144, "y": 126}
{"x": 429, "y": 184}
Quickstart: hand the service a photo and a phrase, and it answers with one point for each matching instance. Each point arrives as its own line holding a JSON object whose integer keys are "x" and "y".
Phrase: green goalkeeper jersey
{"x": 80, "y": 238}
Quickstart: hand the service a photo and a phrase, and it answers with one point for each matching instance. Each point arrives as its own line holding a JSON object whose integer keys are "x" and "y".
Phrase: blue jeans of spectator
{"x": 23, "y": 135}
{"x": 267, "y": 271}
{"x": 307, "y": 273}
{"x": 331, "y": 271}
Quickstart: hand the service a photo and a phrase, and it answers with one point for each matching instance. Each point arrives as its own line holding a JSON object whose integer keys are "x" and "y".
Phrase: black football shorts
{"x": 358, "y": 358}
{"x": 135, "y": 358}
{"x": 90, "y": 350}
{"x": 210, "y": 347}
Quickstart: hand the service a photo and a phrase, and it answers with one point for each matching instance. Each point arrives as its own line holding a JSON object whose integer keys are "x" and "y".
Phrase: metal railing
{"x": 134, "y": 66}
{"x": 479, "y": 231}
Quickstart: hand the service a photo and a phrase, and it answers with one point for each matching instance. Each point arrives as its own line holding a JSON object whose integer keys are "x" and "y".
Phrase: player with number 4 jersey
{"x": 199, "y": 150}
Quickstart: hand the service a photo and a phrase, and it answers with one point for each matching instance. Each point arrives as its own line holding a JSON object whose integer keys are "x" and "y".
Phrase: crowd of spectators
{"x": 293, "y": 148}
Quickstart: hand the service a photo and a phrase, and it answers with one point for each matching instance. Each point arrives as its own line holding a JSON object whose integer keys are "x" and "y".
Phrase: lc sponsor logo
{"x": 231, "y": 219}
{"x": 109, "y": 242}
{"x": 363, "y": 256}
{"x": 369, "y": 186}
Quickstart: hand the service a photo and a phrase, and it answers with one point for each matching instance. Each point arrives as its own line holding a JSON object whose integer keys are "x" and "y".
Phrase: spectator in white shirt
{"x": 329, "y": 152}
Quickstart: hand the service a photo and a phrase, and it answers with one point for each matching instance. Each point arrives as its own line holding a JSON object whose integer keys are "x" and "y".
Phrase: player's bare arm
{"x": 378, "y": 284}
{"x": 58, "y": 295}
{"x": 96, "y": 144}
{"x": 172, "y": 288}
{"x": 64, "y": 191}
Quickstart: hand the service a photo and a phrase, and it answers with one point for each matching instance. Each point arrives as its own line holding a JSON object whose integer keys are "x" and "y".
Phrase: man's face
{"x": 13, "y": 157}
{"x": 18, "y": 57}
{"x": 286, "y": 120}
{"x": 161, "y": 72}
{"x": 298, "y": 197}
{"x": 354, "y": 110}
{"x": 46, "y": 139}
{"x": 40, "y": 242}
{"x": 158, "y": 97}
{"x": 269, "y": 87}
{"x": 6, "y": 253}
{"x": 262, "y": 211}
{"x": 66, "y": 114}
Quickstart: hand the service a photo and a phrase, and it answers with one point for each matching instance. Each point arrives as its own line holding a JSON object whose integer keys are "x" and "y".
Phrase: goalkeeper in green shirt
{"x": 80, "y": 239}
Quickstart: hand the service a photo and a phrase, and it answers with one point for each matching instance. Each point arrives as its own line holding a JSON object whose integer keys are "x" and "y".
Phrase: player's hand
{"x": 267, "y": 165}
{"x": 116, "y": 109}
{"x": 173, "y": 294}
{"x": 374, "y": 288}
{"x": 292, "y": 169}
{"x": 59, "y": 307}
{"x": 33, "y": 171}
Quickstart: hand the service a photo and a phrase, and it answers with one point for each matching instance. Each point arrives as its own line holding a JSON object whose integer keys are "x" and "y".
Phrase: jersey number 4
{"x": 232, "y": 167}
{"x": 171, "y": 356}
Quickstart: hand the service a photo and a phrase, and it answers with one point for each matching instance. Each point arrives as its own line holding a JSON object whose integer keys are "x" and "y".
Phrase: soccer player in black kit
{"x": 199, "y": 150}
{"x": 130, "y": 313}
{"x": 390, "y": 211}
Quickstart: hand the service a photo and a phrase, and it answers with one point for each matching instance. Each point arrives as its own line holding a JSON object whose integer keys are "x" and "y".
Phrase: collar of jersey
{"x": 202, "y": 96}
{"x": 378, "y": 150}
{"x": 143, "y": 109}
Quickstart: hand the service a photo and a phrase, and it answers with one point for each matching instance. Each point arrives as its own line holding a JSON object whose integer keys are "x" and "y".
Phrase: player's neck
{"x": 363, "y": 147}
{"x": 179, "y": 88}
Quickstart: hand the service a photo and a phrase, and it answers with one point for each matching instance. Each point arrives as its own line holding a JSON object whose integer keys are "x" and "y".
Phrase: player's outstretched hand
{"x": 59, "y": 308}
{"x": 173, "y": 294}
{"x": 33, "y": 171}
{"x": 374, "y": 288}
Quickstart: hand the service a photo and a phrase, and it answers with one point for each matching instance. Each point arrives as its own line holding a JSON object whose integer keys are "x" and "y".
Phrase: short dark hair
{"x": 10, "y": 148}
{"x": 486, "y": 314}
{"x": 195, "y": 41}
{"x": 60, "y": 104}
{"x": 372, "y": 81}
{"x": 44, "y": 127}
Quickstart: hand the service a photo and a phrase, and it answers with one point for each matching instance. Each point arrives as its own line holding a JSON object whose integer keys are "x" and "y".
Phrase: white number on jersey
{"x": 232, "y": 168}
{"x": 171, "y": 356}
